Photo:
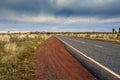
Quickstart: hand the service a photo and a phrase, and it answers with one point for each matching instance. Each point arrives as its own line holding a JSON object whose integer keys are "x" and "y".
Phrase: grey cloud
{"x": 26, "y": 7}
{"x": 83, "y": 8}
{"x": 101, "y": 10}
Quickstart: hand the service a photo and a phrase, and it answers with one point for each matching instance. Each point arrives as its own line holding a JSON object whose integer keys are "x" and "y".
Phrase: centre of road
{"x": 99, "y": 64}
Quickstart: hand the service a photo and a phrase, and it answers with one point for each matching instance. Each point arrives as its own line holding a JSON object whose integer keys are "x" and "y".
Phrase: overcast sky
{"x": 59, "y": 15}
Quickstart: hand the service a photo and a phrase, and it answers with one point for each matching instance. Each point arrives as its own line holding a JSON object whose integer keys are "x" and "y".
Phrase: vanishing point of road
{"x": 101, "y": 58}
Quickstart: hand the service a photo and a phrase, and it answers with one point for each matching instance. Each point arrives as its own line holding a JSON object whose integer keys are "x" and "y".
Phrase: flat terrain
{"x": 55, "y": 63}
{"x": 107, "y": 54}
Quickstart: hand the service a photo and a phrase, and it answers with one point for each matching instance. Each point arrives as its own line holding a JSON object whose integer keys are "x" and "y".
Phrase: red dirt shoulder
{"x": 56, "y": 63}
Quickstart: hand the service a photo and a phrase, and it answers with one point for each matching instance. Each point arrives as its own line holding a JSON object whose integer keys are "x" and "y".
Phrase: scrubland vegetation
{"x": 16, "y": 55}
{"x": 17, "y": 51}
{"x": 107, "y": 37}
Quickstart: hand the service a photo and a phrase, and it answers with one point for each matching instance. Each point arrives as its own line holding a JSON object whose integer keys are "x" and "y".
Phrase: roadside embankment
{"x": 55, "y": 63}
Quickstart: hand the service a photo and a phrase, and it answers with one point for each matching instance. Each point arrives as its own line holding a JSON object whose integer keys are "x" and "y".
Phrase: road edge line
{"x": 107, "y": 69}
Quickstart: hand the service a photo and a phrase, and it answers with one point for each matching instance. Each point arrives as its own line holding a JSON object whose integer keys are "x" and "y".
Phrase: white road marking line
{"x": 99, "y": 46}
{"x": 99, "y": 64}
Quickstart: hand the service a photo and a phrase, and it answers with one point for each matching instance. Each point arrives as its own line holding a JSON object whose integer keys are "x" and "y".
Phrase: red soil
{"x": 55, "y": 63}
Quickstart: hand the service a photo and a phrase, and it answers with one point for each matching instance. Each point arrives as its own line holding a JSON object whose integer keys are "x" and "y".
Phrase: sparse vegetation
{"x": 107, "y": 37}
{"x": 16, "y": 55}
{"x": 119, "y": 29}
{"x": 113, "y": 30}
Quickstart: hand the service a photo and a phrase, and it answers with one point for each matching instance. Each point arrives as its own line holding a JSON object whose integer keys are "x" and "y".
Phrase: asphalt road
{"x": 102, "y": 57}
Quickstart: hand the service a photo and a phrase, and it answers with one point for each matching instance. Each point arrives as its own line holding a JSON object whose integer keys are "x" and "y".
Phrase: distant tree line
{"x": 113, "y": 30}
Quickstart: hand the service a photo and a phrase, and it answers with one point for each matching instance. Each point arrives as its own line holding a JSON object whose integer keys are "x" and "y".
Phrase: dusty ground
{"x": 55, "y": 63}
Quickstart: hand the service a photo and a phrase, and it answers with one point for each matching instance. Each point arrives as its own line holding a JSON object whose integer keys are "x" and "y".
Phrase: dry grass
{"x": 4, "y": 38}
{"x": 113, "y": 38}
{"x": 16, "y": 53}
{"x": 10, "y": 48}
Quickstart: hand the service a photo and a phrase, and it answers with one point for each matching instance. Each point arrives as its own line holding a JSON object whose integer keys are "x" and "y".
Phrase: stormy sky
{"x": 59, "y": 15}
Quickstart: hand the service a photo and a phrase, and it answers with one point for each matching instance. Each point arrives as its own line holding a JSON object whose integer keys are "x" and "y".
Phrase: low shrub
{"x": 16, "y": 62}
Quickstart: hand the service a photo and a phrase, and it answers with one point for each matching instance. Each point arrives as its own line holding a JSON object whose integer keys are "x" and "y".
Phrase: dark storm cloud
{"x": 101, "y": 10}
{"x": 84, "y": 8}
{"x": 26, "y": 7}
